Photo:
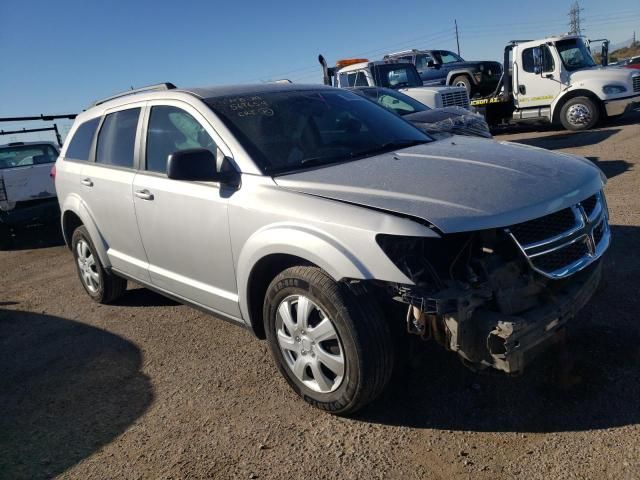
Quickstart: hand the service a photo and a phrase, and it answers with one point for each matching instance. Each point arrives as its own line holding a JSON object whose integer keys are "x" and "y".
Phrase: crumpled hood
{"x": 606, "y": 75}
{"x": 458, "y": 184}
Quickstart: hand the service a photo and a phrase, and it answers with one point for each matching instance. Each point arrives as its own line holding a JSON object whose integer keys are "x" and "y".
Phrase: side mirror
{"x": 199, "y": 164}
{"x": 604, "y": 53}
{"x": 537, "y": 60}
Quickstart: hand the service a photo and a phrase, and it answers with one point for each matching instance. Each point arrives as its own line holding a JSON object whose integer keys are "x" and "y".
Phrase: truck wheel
{"x": 329, "y": 341}
{"x": 580, "y": 113}
{"x": 102, "y": 286}
{"x": 462, "y": 81}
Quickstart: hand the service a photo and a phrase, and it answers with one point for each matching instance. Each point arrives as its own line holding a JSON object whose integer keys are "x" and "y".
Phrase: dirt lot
{"x": 151, "y": 389}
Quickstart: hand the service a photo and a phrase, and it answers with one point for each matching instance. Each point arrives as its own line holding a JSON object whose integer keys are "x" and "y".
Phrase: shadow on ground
{"x": 602, "y": 390}
{"x": 569, "y": 139}
{"x": 143, "y": 297}
{"x": 38, "y": 236}
{"x": 611, "y": 168}
{"x": 66, "y": 389}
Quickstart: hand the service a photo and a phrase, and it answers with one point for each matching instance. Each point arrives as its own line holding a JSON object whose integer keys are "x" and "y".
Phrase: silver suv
{"x": 332, "y": 228}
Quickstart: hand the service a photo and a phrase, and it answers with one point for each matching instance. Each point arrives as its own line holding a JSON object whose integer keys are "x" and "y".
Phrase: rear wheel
{"x": 580, "y": 113}
{"x": 102, "y": 286}
{"x": 462, "y": 81}
{"x": 329, "y": 341}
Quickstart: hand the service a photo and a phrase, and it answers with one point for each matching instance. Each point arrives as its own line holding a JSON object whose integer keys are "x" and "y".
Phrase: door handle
{"x": 144, "y": 194}
{"x": 87, "y": 182}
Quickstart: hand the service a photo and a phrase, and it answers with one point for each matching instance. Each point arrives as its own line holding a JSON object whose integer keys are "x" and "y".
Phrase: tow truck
{"x": 555, "y": 80}
{"x": 399, "y": 75}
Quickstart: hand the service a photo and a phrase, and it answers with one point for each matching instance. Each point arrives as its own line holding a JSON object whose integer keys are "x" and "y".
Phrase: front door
{"x": 184, "y": 224}
{"x": 536, "y": 89}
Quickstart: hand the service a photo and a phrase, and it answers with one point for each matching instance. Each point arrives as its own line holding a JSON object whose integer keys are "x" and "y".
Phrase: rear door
{"x": 184, "y": 225}
{"x": 106, "y": 186}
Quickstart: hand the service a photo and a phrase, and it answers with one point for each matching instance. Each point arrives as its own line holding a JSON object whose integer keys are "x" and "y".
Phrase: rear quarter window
{"x": 80, "y": 144}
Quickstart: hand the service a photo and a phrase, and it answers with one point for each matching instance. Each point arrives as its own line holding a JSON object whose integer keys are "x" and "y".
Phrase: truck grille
{"x": 636, "y": 83}
{"x": 457, "y": 98}
{"x": 565, "y": 242}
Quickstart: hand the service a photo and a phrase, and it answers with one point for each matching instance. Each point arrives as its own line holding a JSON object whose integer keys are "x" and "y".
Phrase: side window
{"x": 172, "y": 129}
{"x": 422, "y": 61}
{"x": 80, "y": 144}
{"x": 117, "y": 138}
{"x": 528, "y": 64}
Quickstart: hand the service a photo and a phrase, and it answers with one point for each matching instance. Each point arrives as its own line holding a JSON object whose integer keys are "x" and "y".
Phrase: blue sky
{"x": 58, "y": 56}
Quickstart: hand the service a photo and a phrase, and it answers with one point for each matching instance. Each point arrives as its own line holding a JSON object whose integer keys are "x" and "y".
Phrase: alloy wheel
{"x": 310, "y": 344}
{"x": 88, "y": 266}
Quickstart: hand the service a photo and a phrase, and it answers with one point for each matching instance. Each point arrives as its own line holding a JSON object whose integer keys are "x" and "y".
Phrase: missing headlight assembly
{"x": 478, "y": 295}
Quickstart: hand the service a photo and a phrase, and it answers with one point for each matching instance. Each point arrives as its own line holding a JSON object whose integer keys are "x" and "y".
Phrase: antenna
{"x": 457, "y": 39}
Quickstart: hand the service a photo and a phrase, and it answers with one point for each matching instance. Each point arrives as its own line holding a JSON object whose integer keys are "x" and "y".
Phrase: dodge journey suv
{"x": 332, "y": 228}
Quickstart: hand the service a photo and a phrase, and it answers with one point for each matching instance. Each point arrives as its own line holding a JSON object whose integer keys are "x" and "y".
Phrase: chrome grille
{"x": 636, "y": 83}
{"x": 456, "y": 98}
{"x": 565, "y": 242}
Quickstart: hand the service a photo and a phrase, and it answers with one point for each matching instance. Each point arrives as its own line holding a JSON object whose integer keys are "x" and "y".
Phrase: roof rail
{"x": 148, "y": 88}
{"x": 402, "y": 52}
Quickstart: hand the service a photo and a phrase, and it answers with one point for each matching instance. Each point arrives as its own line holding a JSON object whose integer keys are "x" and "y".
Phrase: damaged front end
{"x": 499, "y": 297}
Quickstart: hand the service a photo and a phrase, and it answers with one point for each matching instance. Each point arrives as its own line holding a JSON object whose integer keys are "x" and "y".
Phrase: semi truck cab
{"x": 557, "y": 80}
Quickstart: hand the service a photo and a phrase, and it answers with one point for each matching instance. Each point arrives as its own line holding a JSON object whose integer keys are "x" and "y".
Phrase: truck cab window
{"x": 528, "y": 64}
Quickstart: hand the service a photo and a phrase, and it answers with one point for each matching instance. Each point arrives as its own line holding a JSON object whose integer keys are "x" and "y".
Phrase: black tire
{"x": 462, "y": 81}
{"x": 109, "y": 286}
{"x": 364, "y": 336}
{"x": 580, "y": 113}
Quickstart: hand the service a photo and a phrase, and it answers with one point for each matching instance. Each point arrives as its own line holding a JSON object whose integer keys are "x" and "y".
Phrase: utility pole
{"x": 574, "y": 18}
{"x": 458, "y": 39}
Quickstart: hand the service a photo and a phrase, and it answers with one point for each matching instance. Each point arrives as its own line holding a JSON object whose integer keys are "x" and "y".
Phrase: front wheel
{"x": 580, "y": 113}
{"x": 330, "y": 341}
{"x": 101, "y": 285}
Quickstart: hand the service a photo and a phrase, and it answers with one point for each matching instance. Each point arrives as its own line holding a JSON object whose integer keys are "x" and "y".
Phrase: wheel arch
{"x": 581, "y": 92}
{"x": 74, "y": 214}
{"x": 456, "y": 73}
{"x": 272, "y": 250}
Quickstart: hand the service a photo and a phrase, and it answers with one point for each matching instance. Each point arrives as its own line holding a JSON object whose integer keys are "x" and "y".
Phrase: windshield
{"x": 25, "y": 155}
{"x": 291, "y": 130}
{"x": 574, "y": 54}
{"x": 445, "y": 56}
{"x": 396, "y": 75}
{"x": 397, "y": 102}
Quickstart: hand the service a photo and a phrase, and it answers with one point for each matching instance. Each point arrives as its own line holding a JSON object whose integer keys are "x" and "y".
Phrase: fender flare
{"x": 466, "y": 71}
{"x": 300, "y": 241}
{"x": 74, "y": 204}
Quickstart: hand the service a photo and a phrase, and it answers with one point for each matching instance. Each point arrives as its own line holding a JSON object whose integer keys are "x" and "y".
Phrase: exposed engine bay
{"x": 478, "y": 295}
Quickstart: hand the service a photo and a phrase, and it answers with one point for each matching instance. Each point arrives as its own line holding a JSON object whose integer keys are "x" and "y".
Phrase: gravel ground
{"x": 148, "y": 388}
